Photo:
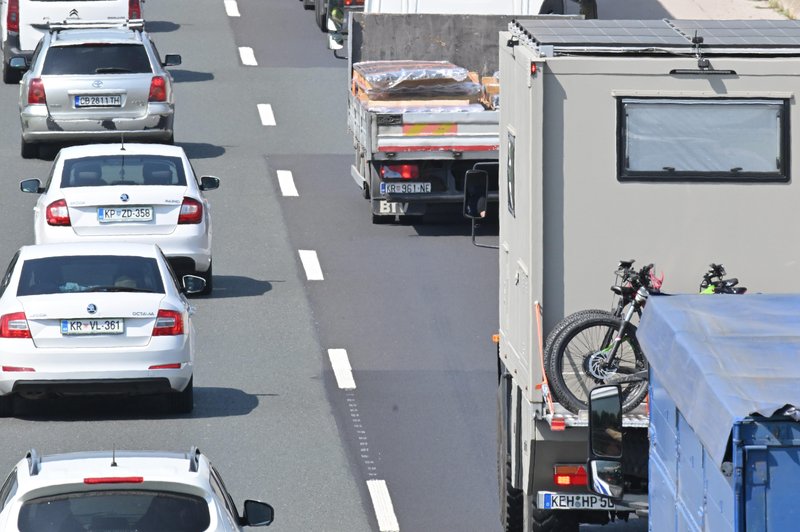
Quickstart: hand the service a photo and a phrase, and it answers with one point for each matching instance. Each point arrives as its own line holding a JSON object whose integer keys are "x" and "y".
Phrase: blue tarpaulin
{"x": 724, "y": 357}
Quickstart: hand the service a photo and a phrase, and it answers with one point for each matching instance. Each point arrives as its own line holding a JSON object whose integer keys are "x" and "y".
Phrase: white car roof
{"x": 189, "y": 468}
{"x": 39, "y": 251}
{"x": 95, "y": 35}
{"x": 89, "y": 150}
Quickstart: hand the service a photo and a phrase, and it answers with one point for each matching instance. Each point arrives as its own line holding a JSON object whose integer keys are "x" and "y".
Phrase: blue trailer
{"x": 724, "y": 433}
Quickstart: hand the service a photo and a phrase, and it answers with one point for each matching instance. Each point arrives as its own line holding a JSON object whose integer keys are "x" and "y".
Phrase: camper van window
{"x": 702, "y": 140}
{"x": 510, "y": 173}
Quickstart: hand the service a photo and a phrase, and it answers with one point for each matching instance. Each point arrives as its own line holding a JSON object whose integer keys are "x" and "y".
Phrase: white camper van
{"x": 25, "y": 21}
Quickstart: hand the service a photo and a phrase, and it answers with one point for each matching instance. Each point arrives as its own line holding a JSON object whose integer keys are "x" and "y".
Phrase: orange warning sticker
{"x": 430, "y": 129}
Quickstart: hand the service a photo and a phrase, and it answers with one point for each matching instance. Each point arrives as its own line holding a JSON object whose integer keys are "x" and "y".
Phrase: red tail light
{"x": 349, "y": 3}
{"x": 569, "y": 475}
{"x": 158, "y": 89}
{"x": 176, "y": 365}
{"x": 168, "y": 323}
{"x": 134, "y": 9}
{"x": 36, "y": 91}
{"x": 400, "y": 171}
{"x": 113, "y": 480}
{"x": 191, "y": 212}
{"x": 12, "y": 17}
{"x": 16, "y": 368}
{"x": 58, "y": 213}
{"x": 14, "y": 326}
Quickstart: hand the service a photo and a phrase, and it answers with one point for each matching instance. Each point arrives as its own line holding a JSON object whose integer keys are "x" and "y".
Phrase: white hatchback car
{"x": 79, "y": 319}
{"x": 128, "y": 192}
{"x": 137, "y": 491}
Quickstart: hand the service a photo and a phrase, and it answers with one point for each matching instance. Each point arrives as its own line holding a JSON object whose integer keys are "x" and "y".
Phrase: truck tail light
{"x": 12, "y": 16}
{"x": 569, "y": 475}
{"x": 134, "y": 9}
{"x": 191, "y": 212}
{"x": 36, "y": 92}
{"x": 158, "y": 89}
{"x": 400, "y": 171}
{"x": 57, "y": 213}
{"x": 350, "y": 3}
{"x": 14, "y": 325}
{"x": 168, "y": 323}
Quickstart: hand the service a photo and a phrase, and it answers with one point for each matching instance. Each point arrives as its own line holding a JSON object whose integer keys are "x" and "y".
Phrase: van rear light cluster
{"x": 14, "y": 325}
{"x": 400, "y": 171}
{"x": 158, "y": 89}
{"x": 570, "y": 475}
{"x": 191, "y": 212}
{"x": 57, "y": 213}
{"x": 12, "y": 16}
{"x": 36, "y": 92}
{"x": 134, "y": 9}
{"x": 168, "y": 323}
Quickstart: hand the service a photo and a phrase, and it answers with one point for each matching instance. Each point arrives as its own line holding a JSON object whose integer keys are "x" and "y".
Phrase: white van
{"x": 24, "y": 22}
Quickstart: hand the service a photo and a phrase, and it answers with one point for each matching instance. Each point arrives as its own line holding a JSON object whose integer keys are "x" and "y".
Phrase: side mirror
{"x": 18, "y": 63}
{"x": 476, "y": 190}
{"x": 192, "y": 284}
{"x": 257, "y": 513}
{"x": 33, "y": 186}
{"x": 605, "y": 442}
{"x": 208, "y": 182}
{"x": 172, "y": 60}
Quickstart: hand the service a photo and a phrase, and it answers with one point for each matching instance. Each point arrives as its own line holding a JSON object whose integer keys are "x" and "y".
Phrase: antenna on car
{"x": 121, "y": 141}
{"x": 114, "y": 456}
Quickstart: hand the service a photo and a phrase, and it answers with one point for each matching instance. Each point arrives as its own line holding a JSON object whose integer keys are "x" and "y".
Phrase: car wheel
{"x": 208, "y": 275}
{"x": 321, "y": 15}
{"x": 182, "y": 402}
{"x": 28, "y": 150}
{"x": 6, "y": 405}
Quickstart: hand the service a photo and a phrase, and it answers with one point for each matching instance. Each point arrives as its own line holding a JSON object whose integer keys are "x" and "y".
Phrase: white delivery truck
{"x": 668, "y": 141}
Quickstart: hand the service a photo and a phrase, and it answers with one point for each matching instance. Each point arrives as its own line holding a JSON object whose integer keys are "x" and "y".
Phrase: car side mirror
{"x": 605, "y": 442}
{"x": 208, "y": 182}
{"x": 257, "y": 513}
{"x": 476, "y": 190}
{"x": 33, "y": 186}
{"x": 171, "y": 60}
{"x": 192, "y": 284}
{"x": 18, "y": 63}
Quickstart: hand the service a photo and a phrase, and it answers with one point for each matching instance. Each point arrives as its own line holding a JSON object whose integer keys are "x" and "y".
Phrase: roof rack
{"x": 72, "y": 24}
{"x": 34, "y": 462}
{"x": 194, "y": 459}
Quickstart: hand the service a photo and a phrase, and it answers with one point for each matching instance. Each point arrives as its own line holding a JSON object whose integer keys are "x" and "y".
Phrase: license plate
{"x": 102, "y": 326}
{"x": 572, "y": 501}
{"x": 405, "y": 188}
{"x": 98, "y": 101}
{"x": 124, "y": 214}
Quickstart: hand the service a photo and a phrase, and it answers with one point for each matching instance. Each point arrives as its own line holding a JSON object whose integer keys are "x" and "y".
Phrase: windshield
{"x": 123, "y": 170}
{"x": 115, "y": 510}
{"x": 98, "y": 58}
{"x": 93, "y": 273}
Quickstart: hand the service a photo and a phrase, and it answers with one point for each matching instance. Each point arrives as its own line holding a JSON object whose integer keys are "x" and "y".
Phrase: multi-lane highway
{"x": 300, "y": 271}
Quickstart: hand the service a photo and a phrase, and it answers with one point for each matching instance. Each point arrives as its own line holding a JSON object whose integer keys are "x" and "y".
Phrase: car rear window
{"x": 97, "y": 58}
{"x": 115, "y": 510}
{"x": 89, "y": 273}
{"x": 123, "y": 170}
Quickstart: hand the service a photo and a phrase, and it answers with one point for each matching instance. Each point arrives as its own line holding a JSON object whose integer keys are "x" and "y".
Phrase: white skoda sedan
{"x": 128, "y": 192}
{"x": 110, "y": 318}
{"x": 132, "y": 491}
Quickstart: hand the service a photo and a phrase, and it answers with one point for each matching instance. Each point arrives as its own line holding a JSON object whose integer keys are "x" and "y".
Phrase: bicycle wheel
{"x": 578, "y": 356}
{"x": 555, "y": 332}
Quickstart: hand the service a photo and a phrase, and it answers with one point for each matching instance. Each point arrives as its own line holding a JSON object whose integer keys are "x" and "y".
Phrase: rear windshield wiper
{"x": 112, "y": 70}
{"x": 117, "y": 289}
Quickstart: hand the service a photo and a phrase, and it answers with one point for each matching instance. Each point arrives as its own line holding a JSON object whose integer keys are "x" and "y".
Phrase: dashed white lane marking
{"x": 384, "y": 511}
{"x": 342, "y": 369}
{"x": 265, "y": 112}
{"x": 286, "y": 182}
{"x": 248, "y": 56}
{"x": 311, "y": 264}
{"x": 232, "y": 8}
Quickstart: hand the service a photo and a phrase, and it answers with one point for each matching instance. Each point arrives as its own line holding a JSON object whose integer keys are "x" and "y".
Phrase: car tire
{"x": 7, "y": 405}
{"x": 208, "y": 275}
{"x": 320, "y": 15}
{"x": 28, "y": 150}
{"x": 182, "y": 402}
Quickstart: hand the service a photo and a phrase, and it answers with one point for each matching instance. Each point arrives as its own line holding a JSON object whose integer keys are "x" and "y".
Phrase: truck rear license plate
{"x": 571, "y": 501}
{"x": 405, "y": 188}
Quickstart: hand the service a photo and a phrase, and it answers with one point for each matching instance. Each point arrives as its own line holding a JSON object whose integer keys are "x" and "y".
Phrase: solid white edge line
{"x": 247, "y": 56}
{"x": 286, "y": 182}
{"x": 382, "y": 502}
{"x": 266, "y": 114}
{"x": 232, "y": 8}
{"x": 342, "y": 369}
{"x": 311, "y": 264}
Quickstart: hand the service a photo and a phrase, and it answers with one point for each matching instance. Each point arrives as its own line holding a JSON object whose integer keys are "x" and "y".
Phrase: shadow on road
{"x": 161, "y": 26}
{"x": 189, "y": 76}
{"x": 239, "y": 286}
{"x": 201, "y": 150}
{"x": 209, "y": 402}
